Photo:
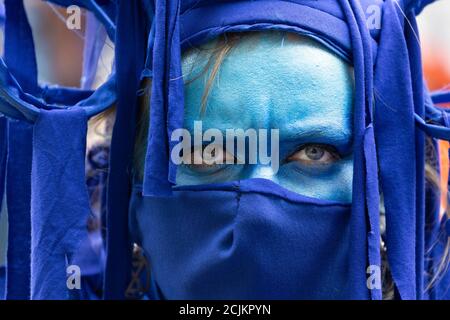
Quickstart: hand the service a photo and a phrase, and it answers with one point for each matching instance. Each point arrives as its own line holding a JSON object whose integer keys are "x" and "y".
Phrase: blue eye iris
{"x": 314, "y": 153}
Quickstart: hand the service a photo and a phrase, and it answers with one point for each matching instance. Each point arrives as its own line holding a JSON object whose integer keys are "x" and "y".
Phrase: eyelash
{"x": 328, "y": 148}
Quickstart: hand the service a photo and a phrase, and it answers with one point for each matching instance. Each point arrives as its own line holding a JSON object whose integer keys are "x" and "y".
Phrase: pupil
{"x": 314, "y": 153}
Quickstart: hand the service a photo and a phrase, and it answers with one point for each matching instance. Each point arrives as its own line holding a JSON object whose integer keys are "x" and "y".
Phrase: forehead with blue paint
{"x": 274, "y": 80}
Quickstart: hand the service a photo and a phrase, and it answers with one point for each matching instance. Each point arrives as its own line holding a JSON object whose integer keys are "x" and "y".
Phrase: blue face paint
{"x": 274, "y": 80}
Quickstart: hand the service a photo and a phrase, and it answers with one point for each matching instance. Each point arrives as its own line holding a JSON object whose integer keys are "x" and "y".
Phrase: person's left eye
{"x": 315, "y": 154}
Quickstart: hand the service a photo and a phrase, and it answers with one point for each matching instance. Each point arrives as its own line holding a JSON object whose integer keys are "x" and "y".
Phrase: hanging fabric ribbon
{"x": 19, "y": 55}
{"x": 394, "y": 106}
{"x": 19, "y": 221}
{"x": 358, "y": 222}
{"x": 59, "y": 199}
{"x": 132, "y": 32}
{"x": 167, "y": 100}
{"x": 418, "y": 87}
{"x": 3, "y": 153}
{"x": 370, "y": 170}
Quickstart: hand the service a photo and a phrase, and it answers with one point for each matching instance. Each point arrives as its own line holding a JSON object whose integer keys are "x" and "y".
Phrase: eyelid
{"x": 329, "y": 148}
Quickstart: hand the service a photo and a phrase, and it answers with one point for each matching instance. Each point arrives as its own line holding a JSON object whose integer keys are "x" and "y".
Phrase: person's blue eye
{"x": 315, "y": 154}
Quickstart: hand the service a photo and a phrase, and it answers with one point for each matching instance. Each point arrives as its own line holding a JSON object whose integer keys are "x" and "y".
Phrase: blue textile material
{"x": 19, "y": 221}
{"x": 59, "y": 217}
{"x": 397, "y": 172}
{"x": 19, "y": 55}
{"x": 19, "y": 46}
{"x": 130, "y": 54}
{"x": 358, "y": 223}
{"x": 167, "y": 98}
{"x": 3, "y": 153}
{"x": 201, "y": 243}
{"x": 419, "y": 108}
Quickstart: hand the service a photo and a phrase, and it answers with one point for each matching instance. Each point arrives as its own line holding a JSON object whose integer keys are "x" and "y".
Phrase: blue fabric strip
{"x": 19, "y": 234}
{"x": 435, "y": 131}
{"x": 132, "y": 32}
{"x": 441, "y": 97}
{"x": 358, "y": 223}
{"x": 21, "y": 105}
{"x": 395, "y": 134}
{"x": 19, "y": 45}
{"x": 415, "y": 60}
{"x": 167, "y": 101}
{"x": 3, "y": 153}
{"x": 373, "y": 205}
{"x": 20, "y": 57}
{"x": 59, "y": 199}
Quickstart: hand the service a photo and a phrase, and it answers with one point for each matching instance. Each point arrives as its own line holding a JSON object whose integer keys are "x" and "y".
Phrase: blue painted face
{"x": 274, "y": 80}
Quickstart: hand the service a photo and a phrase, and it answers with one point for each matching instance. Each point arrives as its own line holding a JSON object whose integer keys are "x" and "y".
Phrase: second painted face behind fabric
{"x": 274, "y": 80}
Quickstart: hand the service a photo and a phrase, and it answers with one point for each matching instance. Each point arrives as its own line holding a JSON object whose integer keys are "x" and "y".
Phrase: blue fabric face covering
{"x": 249, "y": 239}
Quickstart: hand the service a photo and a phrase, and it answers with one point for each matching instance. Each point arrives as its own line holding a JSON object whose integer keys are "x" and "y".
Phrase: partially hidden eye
{"x": 209, "y": 157}
{"x": 314, "y": 154}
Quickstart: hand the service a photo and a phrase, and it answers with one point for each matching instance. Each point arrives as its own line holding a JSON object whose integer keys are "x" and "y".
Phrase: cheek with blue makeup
{"x": 273, "y": 80}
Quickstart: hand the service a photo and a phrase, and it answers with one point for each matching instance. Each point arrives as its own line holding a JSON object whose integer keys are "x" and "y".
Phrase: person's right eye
{"x": 208, "y": 159}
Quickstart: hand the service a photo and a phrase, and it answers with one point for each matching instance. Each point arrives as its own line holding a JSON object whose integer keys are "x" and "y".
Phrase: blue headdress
{"x": 45, "y": 132}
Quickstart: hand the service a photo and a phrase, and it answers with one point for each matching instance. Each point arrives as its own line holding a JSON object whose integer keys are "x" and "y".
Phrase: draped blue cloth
{"x": 58, "y": 221}
{"x": 394, "y": 105}
{"x": 132, "y": 29}
{"x": 19, "y": 220}
{"x": 19, "y": 55}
